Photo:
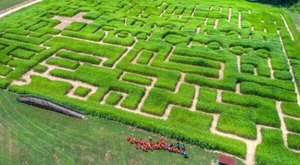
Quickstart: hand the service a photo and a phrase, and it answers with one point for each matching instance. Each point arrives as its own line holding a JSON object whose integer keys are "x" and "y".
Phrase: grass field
{"x": 31, "y": 135}
{"x": 296, "y": 19}
{"x": 223, "y": 75}
{"x": 4, "y": 4}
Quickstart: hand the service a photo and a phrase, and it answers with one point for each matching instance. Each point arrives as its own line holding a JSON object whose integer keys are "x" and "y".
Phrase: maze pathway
{"x": 233, "y": 69}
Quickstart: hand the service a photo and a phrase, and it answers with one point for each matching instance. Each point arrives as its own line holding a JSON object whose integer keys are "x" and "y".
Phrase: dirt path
{"x": 190, "y": 44}
{"x": 167, "y": 111}
{"x": 287, "y": 27}
{"x": 152, "y": 58}
{"x": 147, "y": 91}
{"x": 290, "y": 68}
{"x": 238, "y": 88}
{"x": 283, "y": 126}
{"x": 194, "y": 10}
{"x": 65, "y": 21}
{"x": 198, "y": 30}
{"x": 255, "y": 71}
{"x": 181, "y": 15}
{"x": 170, "y": 53}
{"x": 195, "y": 99}
{"x": 251, "y": 144}
{"x": 229, "y": 14}
{"x": 271, "y": 68}
{"x": 134, "y": 61}
{"x": 180, "y": 81}
{"x": 18, "y": 7}
{"x": 221, "y": 71}
{"x": 216, "y": 24}
{"x": 219, "y": 96}
{"x": 163, "y": 12}
{"x": 125, "y": 54}
{"x": 240, "y": 20}
{"x": 205, "y": 21}
{"x": 238, "y": 61}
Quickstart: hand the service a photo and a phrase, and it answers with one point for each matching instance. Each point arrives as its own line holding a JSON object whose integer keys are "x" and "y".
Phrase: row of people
{"x": 161, "y": 144}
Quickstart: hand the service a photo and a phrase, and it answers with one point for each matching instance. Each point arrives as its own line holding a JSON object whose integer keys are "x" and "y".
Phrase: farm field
{"x": 33, "y": 136}
{"x": 223, "y": 75}
{"x": 4, "y": 4}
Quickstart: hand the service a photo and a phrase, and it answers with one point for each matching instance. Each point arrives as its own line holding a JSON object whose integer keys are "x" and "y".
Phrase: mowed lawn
{"x": 4, "y": 4}
{"x": 30, "y": 135}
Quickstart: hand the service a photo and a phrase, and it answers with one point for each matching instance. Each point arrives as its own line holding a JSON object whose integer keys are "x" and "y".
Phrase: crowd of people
{"x": 157, "y": 145}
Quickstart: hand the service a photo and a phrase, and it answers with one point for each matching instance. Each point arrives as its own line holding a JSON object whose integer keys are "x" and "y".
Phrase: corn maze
{"x": 224, "y": 75}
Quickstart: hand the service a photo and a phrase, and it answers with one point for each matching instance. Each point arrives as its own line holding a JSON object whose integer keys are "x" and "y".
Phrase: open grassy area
{"x": 4, "y": 4}
{"x": 296, "y": 19}
{"x": 221, "y": 74}
{"x": 31, "y": 135}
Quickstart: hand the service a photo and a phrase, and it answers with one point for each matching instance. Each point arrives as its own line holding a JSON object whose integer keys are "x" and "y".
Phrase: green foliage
{"x": 75, "y": 26}
{"x": 273, "y": 151}
{"x": 157, "y": 29}
{"x": 82, "y": 91}
{"x": 283, "y": 75}
{"x": 292, "y": 125}
{"x": 294, "y": 141}
{"x": 113, "y": 98}
{"x": 79, "y": 57}
{"x": 22, "y": 53}
{"x": 267, "y": 91}
{"x": 291, "y": 109}
{"x": 40, "y": 68}
{"x": 63, "y": 63}
{"x": 4, "y": 70}
{"x": 137, "y": 79}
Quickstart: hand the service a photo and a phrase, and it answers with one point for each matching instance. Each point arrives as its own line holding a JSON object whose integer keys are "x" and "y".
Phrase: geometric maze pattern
{"x": 229, "y": 62}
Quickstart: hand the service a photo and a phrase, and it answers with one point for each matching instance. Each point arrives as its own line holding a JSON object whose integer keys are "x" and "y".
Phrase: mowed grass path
{"x": 30, "y": 135}
{"x": 4, "y": 4}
